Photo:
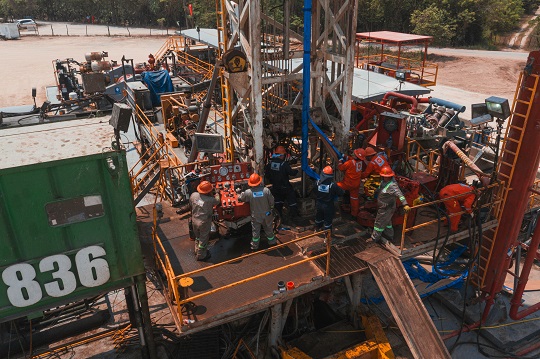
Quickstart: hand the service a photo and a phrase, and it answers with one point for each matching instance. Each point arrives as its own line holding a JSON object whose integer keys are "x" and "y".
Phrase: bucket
{"x": 290, "y": 285}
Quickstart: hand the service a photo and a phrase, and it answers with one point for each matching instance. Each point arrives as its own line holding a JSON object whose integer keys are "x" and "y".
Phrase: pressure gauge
{"x": 223, "y": 171}
{"x": 390, "y": 124}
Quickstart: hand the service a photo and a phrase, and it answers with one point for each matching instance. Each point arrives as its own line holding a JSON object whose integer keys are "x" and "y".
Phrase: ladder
{"x": 226, "y": 90}
{"x": 509, "y": 153}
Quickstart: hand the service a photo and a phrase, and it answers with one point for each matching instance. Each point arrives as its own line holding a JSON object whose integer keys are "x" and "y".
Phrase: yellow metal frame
{"x": 375, "y": 347}
{"x": 431, "y": 165}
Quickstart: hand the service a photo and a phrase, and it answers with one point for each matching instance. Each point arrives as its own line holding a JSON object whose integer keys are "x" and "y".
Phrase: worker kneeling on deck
{"x": 261, "y": 203}
{"x": 386, "y": 206}
{"x": 351, "y": 182}
{"x": 376, "y": 161}
{"x": 277, "y": 172}
{"x": 202, "y": 208}
{"x": 327, "y": 192}
{"x": 454, "y": 205}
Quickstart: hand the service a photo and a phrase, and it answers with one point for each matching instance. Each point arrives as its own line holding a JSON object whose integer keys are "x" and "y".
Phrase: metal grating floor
{"x": 342, "y": 261}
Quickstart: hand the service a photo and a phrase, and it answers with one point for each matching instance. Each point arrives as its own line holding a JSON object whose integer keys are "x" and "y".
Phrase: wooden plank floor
{"x": 405, "y": 304}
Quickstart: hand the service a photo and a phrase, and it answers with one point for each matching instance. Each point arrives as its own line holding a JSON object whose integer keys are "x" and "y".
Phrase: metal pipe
{"x": 140, "y": 285}
{"x": 306, "y": 83}
{"x": 275, "y": 326}
{"x": 523, "y": 279}
{"x": 412, "y": 100}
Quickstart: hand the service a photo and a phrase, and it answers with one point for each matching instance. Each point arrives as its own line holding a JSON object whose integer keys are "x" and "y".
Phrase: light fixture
{"x": 498, "y": 107}
{"x": 400, "y": 75}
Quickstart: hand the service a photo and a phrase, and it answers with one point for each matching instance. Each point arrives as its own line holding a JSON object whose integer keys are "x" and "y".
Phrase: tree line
{"x": 450, "y": 22}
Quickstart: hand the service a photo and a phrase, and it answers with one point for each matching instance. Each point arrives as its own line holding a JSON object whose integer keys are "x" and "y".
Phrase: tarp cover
{"x": 158, "y": 82}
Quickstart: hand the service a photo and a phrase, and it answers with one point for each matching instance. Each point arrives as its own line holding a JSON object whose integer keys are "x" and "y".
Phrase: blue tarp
{"x": 158, "y": 82}
{"x": 416, "y": 271}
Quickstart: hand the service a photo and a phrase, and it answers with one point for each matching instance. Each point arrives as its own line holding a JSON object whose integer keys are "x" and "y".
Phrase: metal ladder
{"x": 226, "y": 90}
{"x": 506, "y": 165}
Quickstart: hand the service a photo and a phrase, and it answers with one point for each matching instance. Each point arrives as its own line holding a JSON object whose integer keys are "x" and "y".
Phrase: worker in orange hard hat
{"x": 261, "y": 203}
{"x": 327, "y": 192}
{"x": 386, "y": 206}
{"x": 277, "y": 172}
{"x": 375, "y": 162}
{"x": 202, "y": 208}
{"x": 351, "y": 182}
{"x": 464, "y": 201}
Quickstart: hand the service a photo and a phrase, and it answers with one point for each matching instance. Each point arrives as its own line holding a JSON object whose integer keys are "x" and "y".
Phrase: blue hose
{"x": 306, "y": 74}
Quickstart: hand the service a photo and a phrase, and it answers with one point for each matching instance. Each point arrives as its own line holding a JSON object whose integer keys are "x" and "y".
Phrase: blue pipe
{"x": 326, "y": 139}
{"x": 306, "y": 82}
{"x": 447, "y": 104}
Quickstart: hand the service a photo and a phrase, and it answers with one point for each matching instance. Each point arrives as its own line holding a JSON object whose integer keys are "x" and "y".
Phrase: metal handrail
{"x": 494, "y": 204}
{"x": 173, "y": 281}
{"x": 426, "y": 71}
{"x": 431, "y": 166}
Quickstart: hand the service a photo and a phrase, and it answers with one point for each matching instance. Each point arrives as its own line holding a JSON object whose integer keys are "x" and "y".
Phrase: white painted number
{"x": 93, "y": 271}
{"x": 66, "y": 282}
{"x": 23, "y": 290}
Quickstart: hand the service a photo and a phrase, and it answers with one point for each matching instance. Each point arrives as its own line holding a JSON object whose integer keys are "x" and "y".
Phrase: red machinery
{"x": 227, "y": 178}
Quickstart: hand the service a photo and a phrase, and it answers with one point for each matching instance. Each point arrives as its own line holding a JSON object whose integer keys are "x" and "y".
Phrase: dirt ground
{"x": 463, "y": 80}
{"x": 482, "y": 75}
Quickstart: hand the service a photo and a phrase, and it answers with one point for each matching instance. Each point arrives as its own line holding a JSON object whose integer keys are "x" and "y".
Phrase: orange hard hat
{"x": 386, "y": 171}
{"x": 254, "y": 180}
{"x": 369, "y": 152}
{"x": 205, "y": 187}
{"x": 280, "y": 150}
{"x": 360, "y": 153}
{"x": 328, "y": 170}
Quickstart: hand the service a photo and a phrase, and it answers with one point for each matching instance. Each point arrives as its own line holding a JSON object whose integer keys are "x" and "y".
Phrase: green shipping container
{"x": 67, "y": 222}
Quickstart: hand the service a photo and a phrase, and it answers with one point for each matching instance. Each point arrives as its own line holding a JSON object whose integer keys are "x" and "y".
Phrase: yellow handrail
{"x": 493, "y": 204}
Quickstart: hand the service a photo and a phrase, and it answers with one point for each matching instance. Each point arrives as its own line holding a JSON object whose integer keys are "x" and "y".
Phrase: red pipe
{"x": 523, "y": 279}
{"x": 414, "y": 106}
{"x": 528, "y": 349}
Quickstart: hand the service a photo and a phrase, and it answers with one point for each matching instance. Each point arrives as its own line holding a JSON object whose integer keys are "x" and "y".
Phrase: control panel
{"x": 230, "y": 180}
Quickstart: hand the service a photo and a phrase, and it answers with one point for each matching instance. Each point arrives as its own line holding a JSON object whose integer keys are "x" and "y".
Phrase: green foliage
{"x": 451, "y": 22}
{"x": 434, "y": 22}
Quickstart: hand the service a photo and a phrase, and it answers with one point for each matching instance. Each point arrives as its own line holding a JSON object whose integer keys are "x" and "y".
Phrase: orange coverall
{"x": 375, "y": 165}
{"x": 351, "y": 182}
{"x": 454, "y": 205}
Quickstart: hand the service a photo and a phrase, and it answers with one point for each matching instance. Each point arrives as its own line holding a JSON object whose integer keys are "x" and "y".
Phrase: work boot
{"x": 272, "y": 241}
{"x": 392, "y": 249}
{"x": 255, "y": 244}
{"x": 201, "y": 258}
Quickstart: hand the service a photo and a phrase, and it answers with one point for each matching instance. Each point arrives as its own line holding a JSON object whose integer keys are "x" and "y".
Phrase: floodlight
{"x": 401, "y": 75}
{"x": 498, "y": 107}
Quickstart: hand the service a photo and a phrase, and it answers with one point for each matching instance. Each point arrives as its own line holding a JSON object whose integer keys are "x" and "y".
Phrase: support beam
{"x": 275, "y": 326}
